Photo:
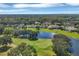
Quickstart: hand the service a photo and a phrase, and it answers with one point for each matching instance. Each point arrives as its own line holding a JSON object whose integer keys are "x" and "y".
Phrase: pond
{"x": 46, "y": 35}
{"x": 74, "y": 42}
{"x": 75, "y": 46}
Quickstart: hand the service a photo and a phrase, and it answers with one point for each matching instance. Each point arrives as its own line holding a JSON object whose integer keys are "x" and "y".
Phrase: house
{"x": 36, "y": 23}
{"x": 70, "y": 28}
{"x": 55, "y": 27}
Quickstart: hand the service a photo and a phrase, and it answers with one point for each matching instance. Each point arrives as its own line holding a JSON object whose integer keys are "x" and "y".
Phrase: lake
{"x": 46, "y": 35}
{"x": 74, "y": 42}
{"x": 75, "y": 46}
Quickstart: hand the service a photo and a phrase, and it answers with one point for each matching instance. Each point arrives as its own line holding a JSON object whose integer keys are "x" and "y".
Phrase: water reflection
{"x": 46, "y": 35}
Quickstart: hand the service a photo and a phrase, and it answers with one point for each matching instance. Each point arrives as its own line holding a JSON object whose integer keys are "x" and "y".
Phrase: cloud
{"x": 12, "y": 10}
{"x": 4, "y": 5}
{"x": 22, "y": 8}
{"x": 73, "y": 4}
{"x": 37, "y": 5}
{"x": 31, "y": 5}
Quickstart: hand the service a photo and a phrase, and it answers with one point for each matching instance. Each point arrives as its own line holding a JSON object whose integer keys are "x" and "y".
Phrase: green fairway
{"x": 42, "y": 46}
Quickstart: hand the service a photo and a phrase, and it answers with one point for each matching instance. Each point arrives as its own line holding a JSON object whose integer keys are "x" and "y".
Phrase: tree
{"x": 33, "y": 35}
{"x": 5, "y": 40}
{"x": 8, "y": 32}
{"x": 23, "y": 50}
{"x": 61, "y": 44}
{"x": 38, "y": 28}
{"x": 1, "y": 29}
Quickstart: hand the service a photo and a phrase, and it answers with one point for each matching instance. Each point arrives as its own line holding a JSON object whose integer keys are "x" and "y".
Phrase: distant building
{"x": 55, "y": 27}
{"x": 70, "y": 28}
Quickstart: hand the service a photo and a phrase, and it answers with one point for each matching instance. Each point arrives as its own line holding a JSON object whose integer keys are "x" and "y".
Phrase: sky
{"x": 39, "y": 8}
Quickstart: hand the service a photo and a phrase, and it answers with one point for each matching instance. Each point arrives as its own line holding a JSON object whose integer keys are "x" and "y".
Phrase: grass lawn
{"x": 42, "y": 46}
